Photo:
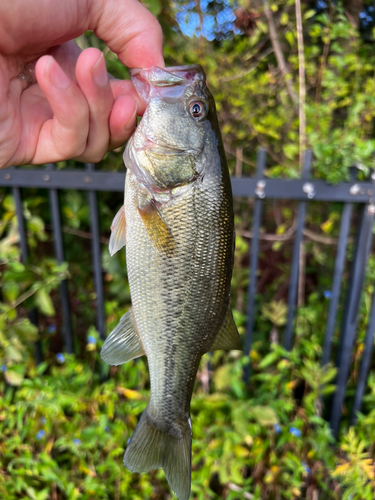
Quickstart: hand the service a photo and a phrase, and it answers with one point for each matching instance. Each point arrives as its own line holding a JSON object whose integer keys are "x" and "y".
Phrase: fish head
{"x": 167, "y": 147}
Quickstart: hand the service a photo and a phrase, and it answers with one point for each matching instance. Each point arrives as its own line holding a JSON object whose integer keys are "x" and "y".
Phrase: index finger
{"x": 132, "y": 32}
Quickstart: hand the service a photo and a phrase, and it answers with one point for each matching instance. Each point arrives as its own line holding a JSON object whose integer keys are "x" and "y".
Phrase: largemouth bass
{"x": 177, "y": 224}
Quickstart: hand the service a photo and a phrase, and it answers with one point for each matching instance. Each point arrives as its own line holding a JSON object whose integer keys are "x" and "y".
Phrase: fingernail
{"x": 133, "y": 116}
{"x": 99, "y": 72}
{"x": 56, "y": 75}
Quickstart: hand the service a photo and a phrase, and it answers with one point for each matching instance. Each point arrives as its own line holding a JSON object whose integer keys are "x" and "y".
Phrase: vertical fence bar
{"x": 293, "y": 284}
{"x": 24, "y": 257}
{"x": 95, "y": 245}
{"x": 21, "y": 224}
{"x": 365, "y": 363}
{"x": 337, "y": 277}
{"x": 59, "y": 253}
{"x": 350, "y": 318}
{"x": 254, "y": 257}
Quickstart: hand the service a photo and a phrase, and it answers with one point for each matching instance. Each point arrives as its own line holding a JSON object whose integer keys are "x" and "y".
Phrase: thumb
{"x": 132, "y": 32}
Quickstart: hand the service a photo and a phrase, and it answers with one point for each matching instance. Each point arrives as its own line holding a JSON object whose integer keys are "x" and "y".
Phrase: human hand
{"x": 69, "y": 108}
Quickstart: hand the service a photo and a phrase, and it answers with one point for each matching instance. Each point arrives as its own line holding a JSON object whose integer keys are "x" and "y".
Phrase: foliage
{"x": 64, "y": 423}
{"x": 256, "y": 106}
{"x": 63, "y": 431}
{"x": 23, "y": 286}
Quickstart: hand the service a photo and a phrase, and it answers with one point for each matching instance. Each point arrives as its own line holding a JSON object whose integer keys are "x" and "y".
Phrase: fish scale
{"x": 185, "y": 321}
{"x": 178, "y": 226}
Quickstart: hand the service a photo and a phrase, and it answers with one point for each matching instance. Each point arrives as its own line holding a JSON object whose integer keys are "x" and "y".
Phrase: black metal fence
{"x": 353, "y": 195}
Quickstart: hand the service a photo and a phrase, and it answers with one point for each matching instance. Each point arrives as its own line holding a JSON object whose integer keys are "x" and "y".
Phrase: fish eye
{"x": 198, "y": 109}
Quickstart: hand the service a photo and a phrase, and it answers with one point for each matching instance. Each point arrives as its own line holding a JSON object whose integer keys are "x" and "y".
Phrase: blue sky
{"x": 223, "y": 19}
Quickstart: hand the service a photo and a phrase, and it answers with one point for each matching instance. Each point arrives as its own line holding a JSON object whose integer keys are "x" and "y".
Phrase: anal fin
{"x": 123, "y": 343}
{"x": 228, "y": 337}
{"x": 118, "y": 232}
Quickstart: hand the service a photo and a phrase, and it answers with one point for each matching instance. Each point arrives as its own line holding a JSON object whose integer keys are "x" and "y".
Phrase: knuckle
{"x": 97, "y": 157}
{"x": 68, "y": 149}
{"x": 93, "y": 155}
{"x": 78, "y": 150}
{"x": 80, "y": 117}
{"x": 71, "y": 141}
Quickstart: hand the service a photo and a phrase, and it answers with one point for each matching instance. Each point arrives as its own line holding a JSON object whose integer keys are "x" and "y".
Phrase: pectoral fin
{"x": 157, "y": 230}
{"x": 123, "y": 343}
{"x": 118, "y": 232}
{"x": 228, "y": 337}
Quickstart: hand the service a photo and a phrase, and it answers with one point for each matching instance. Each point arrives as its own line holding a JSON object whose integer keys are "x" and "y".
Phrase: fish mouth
{"x": 169, "y": 151}
{"x": 173, "y": 75}
{"x": 162, "y": 148}
{"x": 169, "y": 81}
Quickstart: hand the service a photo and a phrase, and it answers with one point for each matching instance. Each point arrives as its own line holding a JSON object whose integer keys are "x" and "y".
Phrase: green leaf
{"x": 17, "y": 267}
{"x": 291, "y": 151}
{"x": 265, "y": 415}
{"x": 268, "y": 360}
{"x": 41, "y": 368}
{"x": 10, "y": 291}
{"x": 240, "y": 417}
{"x": 25, "y": 330}
{"x": 290, "y": 38}
{"x": 308, "y": 14}
{"x": 8, "y": 204}
{"x": 12, "y": 353}
{"x": 13, "y": 378}
{"x": 222, "y": 377}
{"x": 36, "y": 225}
{"x": 42, "y": 495}
{"x": 44, "y": 302}
{"x": 284, "y": 19}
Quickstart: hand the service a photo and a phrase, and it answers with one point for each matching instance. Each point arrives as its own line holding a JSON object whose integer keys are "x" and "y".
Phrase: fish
{"x": 177, "y": 226}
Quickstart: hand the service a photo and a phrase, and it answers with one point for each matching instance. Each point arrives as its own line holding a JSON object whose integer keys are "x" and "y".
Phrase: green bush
{"x": 64, "y": 428}
{"x": 64, "y": 424}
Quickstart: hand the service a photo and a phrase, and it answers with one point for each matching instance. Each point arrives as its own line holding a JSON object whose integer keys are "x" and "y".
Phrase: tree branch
{"x": 249, "y": 70}
{"x": 302, "y": 87}
{"x": 278, "y": 52}
{"x": 324, "y": 240}
{"x": 244, "y": 159}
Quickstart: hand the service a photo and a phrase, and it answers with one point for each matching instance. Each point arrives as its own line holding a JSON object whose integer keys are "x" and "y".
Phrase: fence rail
{"x": 304, "y": 190}
{"x": 282, "y": 189}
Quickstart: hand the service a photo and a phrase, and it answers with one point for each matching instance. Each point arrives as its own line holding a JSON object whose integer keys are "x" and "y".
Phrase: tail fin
{"x": 151, "y": 448}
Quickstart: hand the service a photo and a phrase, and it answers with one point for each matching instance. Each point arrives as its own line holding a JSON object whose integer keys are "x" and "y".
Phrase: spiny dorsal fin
{"x": 123, "y": 343}
{"x": 157, "y": 230}
{"x": 118, "y": 232}
{"x": 228, "y": 337}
